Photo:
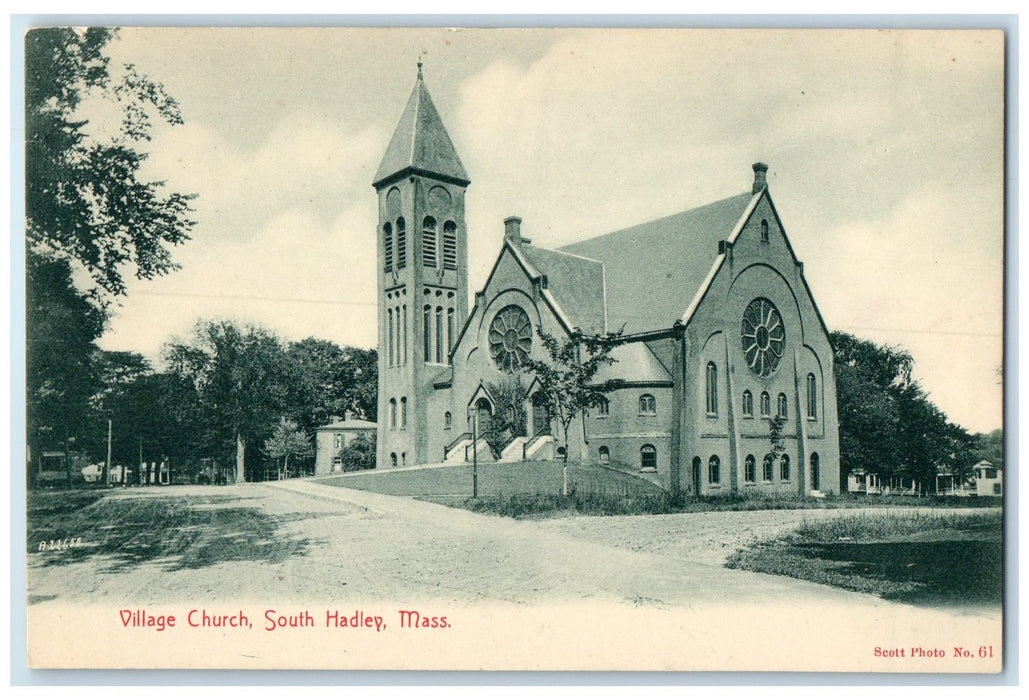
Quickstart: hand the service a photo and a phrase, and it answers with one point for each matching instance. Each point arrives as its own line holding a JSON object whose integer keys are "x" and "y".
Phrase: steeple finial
{"x": 424, "y": 51}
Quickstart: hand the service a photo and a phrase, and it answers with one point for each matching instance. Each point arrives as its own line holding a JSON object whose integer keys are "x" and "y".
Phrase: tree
{"x": 776, "y": 438}
{"x": 330, "y": 381}
{"x": 287, "y": 440}
{"x": 567, "y": 385}
{"x": 84, "y": 200}
{"x": 888, "y": 425}
{"x": 358, "y": 454}
{"x": 990, "y": 446}
{"x": 243, "y": 380}
{"x": 89, "y": 218}
{"x": 509, "y": 419}
{"x": 61, "y": 327}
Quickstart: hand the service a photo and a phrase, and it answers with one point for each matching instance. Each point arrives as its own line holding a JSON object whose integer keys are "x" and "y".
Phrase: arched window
{"x": 748, "y": 404}
{"x": 812, "y": 397}
{"x": 714, "y": 470}
{"x": 605, "y": 454}
{"x": 784, "y": 467}
{"x": 814, "y": 471}
{"x": 711, "y": 392}
{"x": 766, "y": 467}
{"x": 450, "y": 331}
{"x": 648, "y": 405}
{"x": 750, "y": 469}
{"x": 403, "y": 337}
{"x": 429, "y": 242}
{"x": 447, "y": 420}
{"x": 393, "y": 458}
{"x": 389, "y": 314}
{"x": 401, "y": 244}
{"x": 392, "y": 413}
{"x": 427, "y": 330}
{"x": 781, "y": 405}
{"x": 403, "y": 459}
{"x": 439, "y": 334}
{"x": 603, "y": 408}
{"x": 396, "y": 336}
{"x": 648, "y": 457}
{"x": 403, "y": 412}
{"x": 387, "y": 246}
{"x": 764, "y": 231}
{"x": 766, "y": 405}
{"x": 450, "y": 246}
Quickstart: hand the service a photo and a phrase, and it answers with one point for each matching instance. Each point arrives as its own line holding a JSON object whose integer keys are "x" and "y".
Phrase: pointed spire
{"x": 421, "y": 142}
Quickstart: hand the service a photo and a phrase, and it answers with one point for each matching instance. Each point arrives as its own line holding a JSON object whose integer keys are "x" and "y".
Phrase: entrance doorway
{"x": 540, "y": 420}
{"x": 484, "y": 414}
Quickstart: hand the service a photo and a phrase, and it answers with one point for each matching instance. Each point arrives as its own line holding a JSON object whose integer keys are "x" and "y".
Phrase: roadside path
{"x": 369, "y": 546}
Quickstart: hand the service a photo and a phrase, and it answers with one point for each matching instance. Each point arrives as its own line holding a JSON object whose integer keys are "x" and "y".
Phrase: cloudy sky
{"x": 885, "y": 153}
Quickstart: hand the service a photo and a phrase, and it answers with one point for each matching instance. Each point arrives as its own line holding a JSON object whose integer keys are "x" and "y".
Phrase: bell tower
{"x": 422, "y": 275}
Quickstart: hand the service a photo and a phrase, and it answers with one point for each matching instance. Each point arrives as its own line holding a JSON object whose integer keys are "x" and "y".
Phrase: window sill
{"x": 647, "y": 415}
{"x": 714, "y": 486}
{"x": 712, "y": 415}
{"x": 648, "y": 470}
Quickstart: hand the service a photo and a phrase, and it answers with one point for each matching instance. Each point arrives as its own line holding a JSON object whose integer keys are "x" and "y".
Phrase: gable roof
{"x": 574, "y": 282}
{"x": 421, "y": 142}
{"x": 653, "y": 271}
{"x": 635, "y": 363}
{"x": 350, "y": 424}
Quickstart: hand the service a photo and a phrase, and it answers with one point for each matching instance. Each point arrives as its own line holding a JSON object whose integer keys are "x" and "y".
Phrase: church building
{"x": 722, "y": 337}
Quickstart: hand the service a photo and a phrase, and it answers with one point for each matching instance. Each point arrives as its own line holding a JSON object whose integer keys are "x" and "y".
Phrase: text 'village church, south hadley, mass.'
{"x": 721, "y": 334}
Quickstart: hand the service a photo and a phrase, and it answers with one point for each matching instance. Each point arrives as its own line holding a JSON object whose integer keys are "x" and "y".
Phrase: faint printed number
{"x": 59, "y": 545}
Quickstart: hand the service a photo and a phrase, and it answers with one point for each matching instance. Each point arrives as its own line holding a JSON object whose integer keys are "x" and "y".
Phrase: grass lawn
{"x": 533, "y": 490}
{"x": 187, "y": 531}
{"x": 933, "y": 560}
{"x": 495, "y": 479}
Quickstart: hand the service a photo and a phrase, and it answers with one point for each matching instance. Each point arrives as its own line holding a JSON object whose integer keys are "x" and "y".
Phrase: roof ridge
{"x": 571, "y": 255}
{"x": 659, "y": 219}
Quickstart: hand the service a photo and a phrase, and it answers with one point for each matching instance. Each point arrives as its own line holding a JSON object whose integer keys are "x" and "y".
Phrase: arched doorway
{"x": 484, "y": 414}
{"x": 540, "y": 420}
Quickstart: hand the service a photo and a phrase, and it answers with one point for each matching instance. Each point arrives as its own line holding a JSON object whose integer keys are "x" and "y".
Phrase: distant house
{"x": 989, "y": 480}
{"x": 329, "y": 439}
{"x": 859, "y": 482}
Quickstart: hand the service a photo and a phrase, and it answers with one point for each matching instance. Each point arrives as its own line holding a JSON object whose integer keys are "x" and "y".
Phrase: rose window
{"x": 510, "y": 338}
{"x": 763, "y": 336}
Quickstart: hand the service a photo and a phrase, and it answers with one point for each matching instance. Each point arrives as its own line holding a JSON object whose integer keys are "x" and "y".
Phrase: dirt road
{"x": 370, "y": 546}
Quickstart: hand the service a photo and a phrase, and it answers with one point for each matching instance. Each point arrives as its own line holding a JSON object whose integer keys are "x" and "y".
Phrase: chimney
{"x": 513, "y": 230}
{"x": 347, "y": 415}
{"x": 760, "y": 169}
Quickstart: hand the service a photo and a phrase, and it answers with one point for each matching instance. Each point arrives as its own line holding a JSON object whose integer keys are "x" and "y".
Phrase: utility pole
{"x": 475, "y": 453}
{"x": 107, "y": 468}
